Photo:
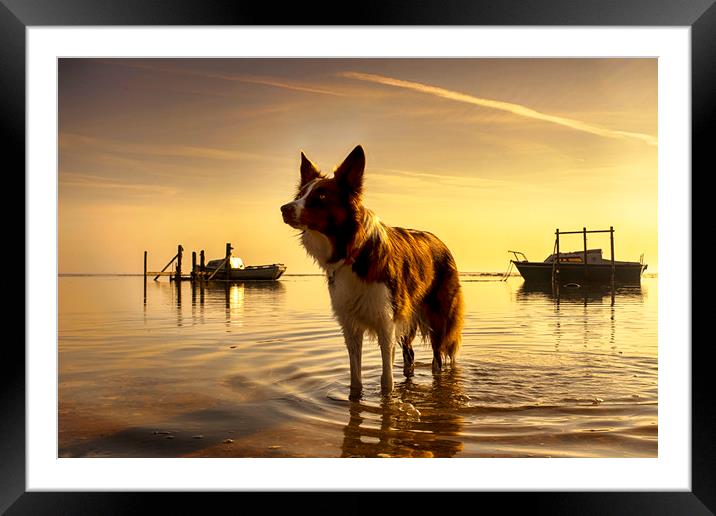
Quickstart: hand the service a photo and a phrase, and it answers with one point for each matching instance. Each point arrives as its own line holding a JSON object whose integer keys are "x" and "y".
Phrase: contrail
{"x": 516, "y": 109}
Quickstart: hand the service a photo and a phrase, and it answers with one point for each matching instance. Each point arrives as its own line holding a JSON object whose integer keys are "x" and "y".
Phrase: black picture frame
{"x": 17, "y": 15}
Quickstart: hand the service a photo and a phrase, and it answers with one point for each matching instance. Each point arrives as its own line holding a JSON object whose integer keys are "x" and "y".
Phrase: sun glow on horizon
{"x": 488, "y": 154}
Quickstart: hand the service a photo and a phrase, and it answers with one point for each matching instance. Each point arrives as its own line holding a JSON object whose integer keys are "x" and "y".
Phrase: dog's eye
{"x": 321, "y": 196}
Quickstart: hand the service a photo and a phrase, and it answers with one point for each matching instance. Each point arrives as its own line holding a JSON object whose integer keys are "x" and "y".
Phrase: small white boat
{"x": 237, "y": 271}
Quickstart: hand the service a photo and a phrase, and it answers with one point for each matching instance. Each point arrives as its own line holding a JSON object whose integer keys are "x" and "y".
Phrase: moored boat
{"x": 237, "y": 271}
{"x": 579, "y": 267}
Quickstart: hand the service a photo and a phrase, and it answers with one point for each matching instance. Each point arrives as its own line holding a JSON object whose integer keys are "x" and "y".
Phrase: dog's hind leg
{"x": 354, "y": 343}
{"x": 436, "y": 342}
{"x": 406, "y": 343}
{"x": 386, "y": 340}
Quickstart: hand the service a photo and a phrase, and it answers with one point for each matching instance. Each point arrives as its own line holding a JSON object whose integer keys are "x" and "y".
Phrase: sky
{"x": 490, "y": 155}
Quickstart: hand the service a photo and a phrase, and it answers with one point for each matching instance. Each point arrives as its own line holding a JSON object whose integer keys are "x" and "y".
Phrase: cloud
{"x": 282, "y": 84}
{"x": 458, "y": 181}
{"x": 71, "y": 141}
{"x": 102, "y": 183}
{"x": 407, "y": 186}
{"x": 250, "y": 79}
{"x": 516, "y": 109}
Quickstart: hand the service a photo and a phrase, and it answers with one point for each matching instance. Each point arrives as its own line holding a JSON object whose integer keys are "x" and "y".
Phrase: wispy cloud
{"x": 393, "y": 185}
{"x": 102, "y": 183}
{"x": 516, "y": 109}
{"x": 250, "y": 79}
{"x": 444, "y": 179}
{"x": 282, "y": 84}
{"x": 70, "y": 141}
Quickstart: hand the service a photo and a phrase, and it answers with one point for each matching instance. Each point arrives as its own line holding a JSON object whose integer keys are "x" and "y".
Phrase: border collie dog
{"x": 388, "y": 282}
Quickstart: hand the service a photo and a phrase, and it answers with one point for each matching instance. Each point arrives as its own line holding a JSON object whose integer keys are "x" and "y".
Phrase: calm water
{"x": 260, "y": 370}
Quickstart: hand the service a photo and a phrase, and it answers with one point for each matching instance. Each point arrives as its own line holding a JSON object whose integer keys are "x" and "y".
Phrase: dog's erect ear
{"x": 350, "y": 172}
{"x": 309, "y": 172}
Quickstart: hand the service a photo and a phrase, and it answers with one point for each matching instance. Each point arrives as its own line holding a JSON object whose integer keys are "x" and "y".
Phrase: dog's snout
{"x": 287, "y": 209}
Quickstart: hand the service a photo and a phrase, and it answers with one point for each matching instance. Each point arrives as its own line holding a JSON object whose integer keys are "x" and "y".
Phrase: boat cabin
{"x": 593, "y": 256}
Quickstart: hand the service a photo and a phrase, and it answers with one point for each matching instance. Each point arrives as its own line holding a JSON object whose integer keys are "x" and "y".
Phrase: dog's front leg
{"x": 354, "y": 343}
{"x": 387, "y": 350}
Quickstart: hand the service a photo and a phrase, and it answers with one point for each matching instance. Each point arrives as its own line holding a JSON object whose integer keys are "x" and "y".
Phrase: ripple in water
{"x": 260, "y": 370}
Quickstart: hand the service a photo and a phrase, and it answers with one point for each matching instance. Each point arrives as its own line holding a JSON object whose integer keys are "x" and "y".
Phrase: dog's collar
{"x": 351, "y": 255}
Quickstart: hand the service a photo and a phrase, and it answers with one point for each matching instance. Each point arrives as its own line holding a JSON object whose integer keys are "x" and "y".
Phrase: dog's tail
{"x": 453, "y": 324}
{"x": 445, "y": 315}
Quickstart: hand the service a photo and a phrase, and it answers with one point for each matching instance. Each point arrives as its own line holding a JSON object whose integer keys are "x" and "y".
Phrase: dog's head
{"x": 327, "y": 204}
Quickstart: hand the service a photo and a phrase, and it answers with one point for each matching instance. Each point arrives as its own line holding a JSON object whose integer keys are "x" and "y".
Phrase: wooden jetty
{"x": 222, "y": 271}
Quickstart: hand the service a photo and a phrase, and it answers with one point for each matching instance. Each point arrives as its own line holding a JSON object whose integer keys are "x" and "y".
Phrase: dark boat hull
{"x": 251, "y": 273}
{"x": 540, "y": 272}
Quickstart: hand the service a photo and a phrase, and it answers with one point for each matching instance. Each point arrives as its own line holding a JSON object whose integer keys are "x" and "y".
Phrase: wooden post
{"x": 202, "y": 266}
{"x": 145, "y": 277}
{"x": 554, "y": 260}
{"x": 227, "y": 263}
{"x": 584, "y": 233}
{"x": 611, "y": 238}
{"x": 180, "y": 249}
{"x": 193, "y": 265}
{"x": 557, "y": 267}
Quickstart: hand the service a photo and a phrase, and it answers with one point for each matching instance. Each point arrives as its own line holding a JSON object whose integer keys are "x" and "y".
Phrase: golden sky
{"x": 488, "y": 154}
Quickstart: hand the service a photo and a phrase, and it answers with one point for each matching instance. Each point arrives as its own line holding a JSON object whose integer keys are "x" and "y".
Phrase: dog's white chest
{"x": 355, "y": 301}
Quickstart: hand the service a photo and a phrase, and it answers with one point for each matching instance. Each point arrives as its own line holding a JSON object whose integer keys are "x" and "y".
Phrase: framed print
{"x": 208, "y": 270}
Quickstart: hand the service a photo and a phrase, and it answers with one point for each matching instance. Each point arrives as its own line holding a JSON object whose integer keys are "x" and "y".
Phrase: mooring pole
{"x": 611, "y": 238}
{"x": 145, "y": 277}
{"x": 180, "y": 249}
{"x": 554, "y": 261}
{"x": 193, "y": 265}
{"x": 584, "y": 233}
{"x": 202, "y": 267}
{"x": 227, "y": 263}
{"x": 558, "y": 260}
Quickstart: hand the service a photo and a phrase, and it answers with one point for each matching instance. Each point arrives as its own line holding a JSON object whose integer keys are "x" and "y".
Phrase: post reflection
{"x": 395, "y": 429}
{"x": 177, "y": 293}
{"x": 580, "y": 294}
{"x": 566, "y": 319}
{"x": 231, "y": 297}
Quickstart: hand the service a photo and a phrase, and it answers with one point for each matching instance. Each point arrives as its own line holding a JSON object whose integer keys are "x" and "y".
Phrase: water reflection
{"x": 416, "y": 421}
{"x": 535, "y": 377}
{"x": 233, "y": 296}
{"x": 569, "y": 320}
{"x": 586, "y": 294}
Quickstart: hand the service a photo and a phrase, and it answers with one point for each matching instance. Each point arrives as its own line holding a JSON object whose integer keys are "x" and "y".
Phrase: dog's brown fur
{"x": 415, "y": 266}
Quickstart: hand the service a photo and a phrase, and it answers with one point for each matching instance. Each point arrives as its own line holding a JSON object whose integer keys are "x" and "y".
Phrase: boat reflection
{"x": 574, "y": 293}
{"x": 233, "y": 296}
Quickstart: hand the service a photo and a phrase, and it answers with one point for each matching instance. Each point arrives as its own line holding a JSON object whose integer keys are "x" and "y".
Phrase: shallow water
{"x": 260, "y": 370}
